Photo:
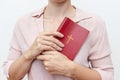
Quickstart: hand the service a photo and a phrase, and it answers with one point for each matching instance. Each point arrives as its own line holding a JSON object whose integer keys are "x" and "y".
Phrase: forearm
{"x": 19, "y": 68}
{"x": 83, "y": 73}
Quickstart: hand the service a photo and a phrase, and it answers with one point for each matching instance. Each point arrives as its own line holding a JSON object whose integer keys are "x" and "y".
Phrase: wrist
{"x": 71, "y": 69}
{"x": 27, "y": 55}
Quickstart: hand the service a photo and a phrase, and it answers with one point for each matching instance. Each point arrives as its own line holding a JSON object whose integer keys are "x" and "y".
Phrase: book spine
{"x": 61, "y": 25}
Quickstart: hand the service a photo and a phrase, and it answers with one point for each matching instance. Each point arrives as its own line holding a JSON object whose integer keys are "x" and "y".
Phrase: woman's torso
{"x": 31, "y": 30}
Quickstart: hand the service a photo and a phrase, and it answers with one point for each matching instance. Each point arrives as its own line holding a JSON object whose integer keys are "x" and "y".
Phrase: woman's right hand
{"x": 46, "y": 41}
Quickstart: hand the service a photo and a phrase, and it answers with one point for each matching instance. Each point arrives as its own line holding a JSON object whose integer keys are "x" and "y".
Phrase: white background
{"x": 109, "y": 10}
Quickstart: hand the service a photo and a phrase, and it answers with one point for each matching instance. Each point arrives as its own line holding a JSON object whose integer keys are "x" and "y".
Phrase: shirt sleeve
{"x": 99, "y": 56}
{"x": 14, "y": 51}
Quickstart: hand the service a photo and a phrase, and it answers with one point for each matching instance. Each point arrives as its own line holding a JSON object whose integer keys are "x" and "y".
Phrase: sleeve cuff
{"x": 6, "y": 67}
{"x": 105, "y": 75}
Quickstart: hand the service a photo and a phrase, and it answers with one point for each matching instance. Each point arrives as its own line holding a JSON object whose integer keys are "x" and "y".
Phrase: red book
{"x": 74, "y": 37}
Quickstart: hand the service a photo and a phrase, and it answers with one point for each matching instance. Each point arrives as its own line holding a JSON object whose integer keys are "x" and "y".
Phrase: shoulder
{"x": 85, "y": 15}
{"x": 27, "y": 22}
{"x": 89, "y": 20}
{"x": 29, "y": 17}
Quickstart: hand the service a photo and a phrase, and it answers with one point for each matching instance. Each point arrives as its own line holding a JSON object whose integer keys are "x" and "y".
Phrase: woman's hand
{"x": 56, "y": 63}
{"x": 44, "y": 42}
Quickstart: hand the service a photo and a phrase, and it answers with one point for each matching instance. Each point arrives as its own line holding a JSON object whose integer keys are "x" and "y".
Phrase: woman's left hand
{"x": 57, "y": 63}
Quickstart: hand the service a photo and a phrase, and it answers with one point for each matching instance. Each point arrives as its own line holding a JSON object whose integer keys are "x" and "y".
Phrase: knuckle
{"x": 45, "y": 63}
{"x": 38, "y": 45}
{"x": 46, "y": 48}
{"x": 37, "y": 40}
{"x": 52, "y": 38}
{"x": 55, "y": 40}
{"x": 51, "y": 48}
{"x": 49, "y": 58}
{"x": 54, "y": 45}
{"x": 51, "y": 44}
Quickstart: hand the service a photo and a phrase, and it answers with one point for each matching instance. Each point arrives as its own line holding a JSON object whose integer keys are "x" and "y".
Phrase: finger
{"x": 49, "y": 69}
{"x": 44, "y": 57}
{"x": 48, "y": 52}
{"x": 54, "y": 40}
{"x": 46, "y": 48}
{"x": 47, "y": 43}
{"x": 55, "y": 72}
{"x": 56, "y": 34}
{"x": 52, "y": 70}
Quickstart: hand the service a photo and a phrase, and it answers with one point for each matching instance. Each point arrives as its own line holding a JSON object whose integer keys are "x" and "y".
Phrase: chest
{"x": 44, "y": 25}
{"x": 51, "y": 25}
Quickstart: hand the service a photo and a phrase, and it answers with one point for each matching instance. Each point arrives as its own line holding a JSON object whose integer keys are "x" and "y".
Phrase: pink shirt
{"x": 95, "y": 50}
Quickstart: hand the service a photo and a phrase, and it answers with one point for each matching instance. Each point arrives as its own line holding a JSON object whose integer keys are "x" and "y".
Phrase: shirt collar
{"x": 80, "y": 15}
{"x": 38, "y": 13}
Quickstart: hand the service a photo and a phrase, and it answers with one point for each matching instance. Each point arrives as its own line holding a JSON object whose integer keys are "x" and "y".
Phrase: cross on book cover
{"x": 74, "y": 37}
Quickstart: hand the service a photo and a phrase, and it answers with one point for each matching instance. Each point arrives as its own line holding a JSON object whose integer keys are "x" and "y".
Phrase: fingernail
{"x": 62, "y": 35}
{"x": 60, "y": 49}
{"x": 62, "y": 45}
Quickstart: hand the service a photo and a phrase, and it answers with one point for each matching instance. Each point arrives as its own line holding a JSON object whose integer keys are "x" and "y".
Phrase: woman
{"x": 35, "y": 34}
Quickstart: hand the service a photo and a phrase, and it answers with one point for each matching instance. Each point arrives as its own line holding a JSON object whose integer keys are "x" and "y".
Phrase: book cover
{"x": 74, "y": 37}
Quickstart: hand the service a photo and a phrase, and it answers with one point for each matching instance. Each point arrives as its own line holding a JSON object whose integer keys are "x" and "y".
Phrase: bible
{"x": 74, "y": 37}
